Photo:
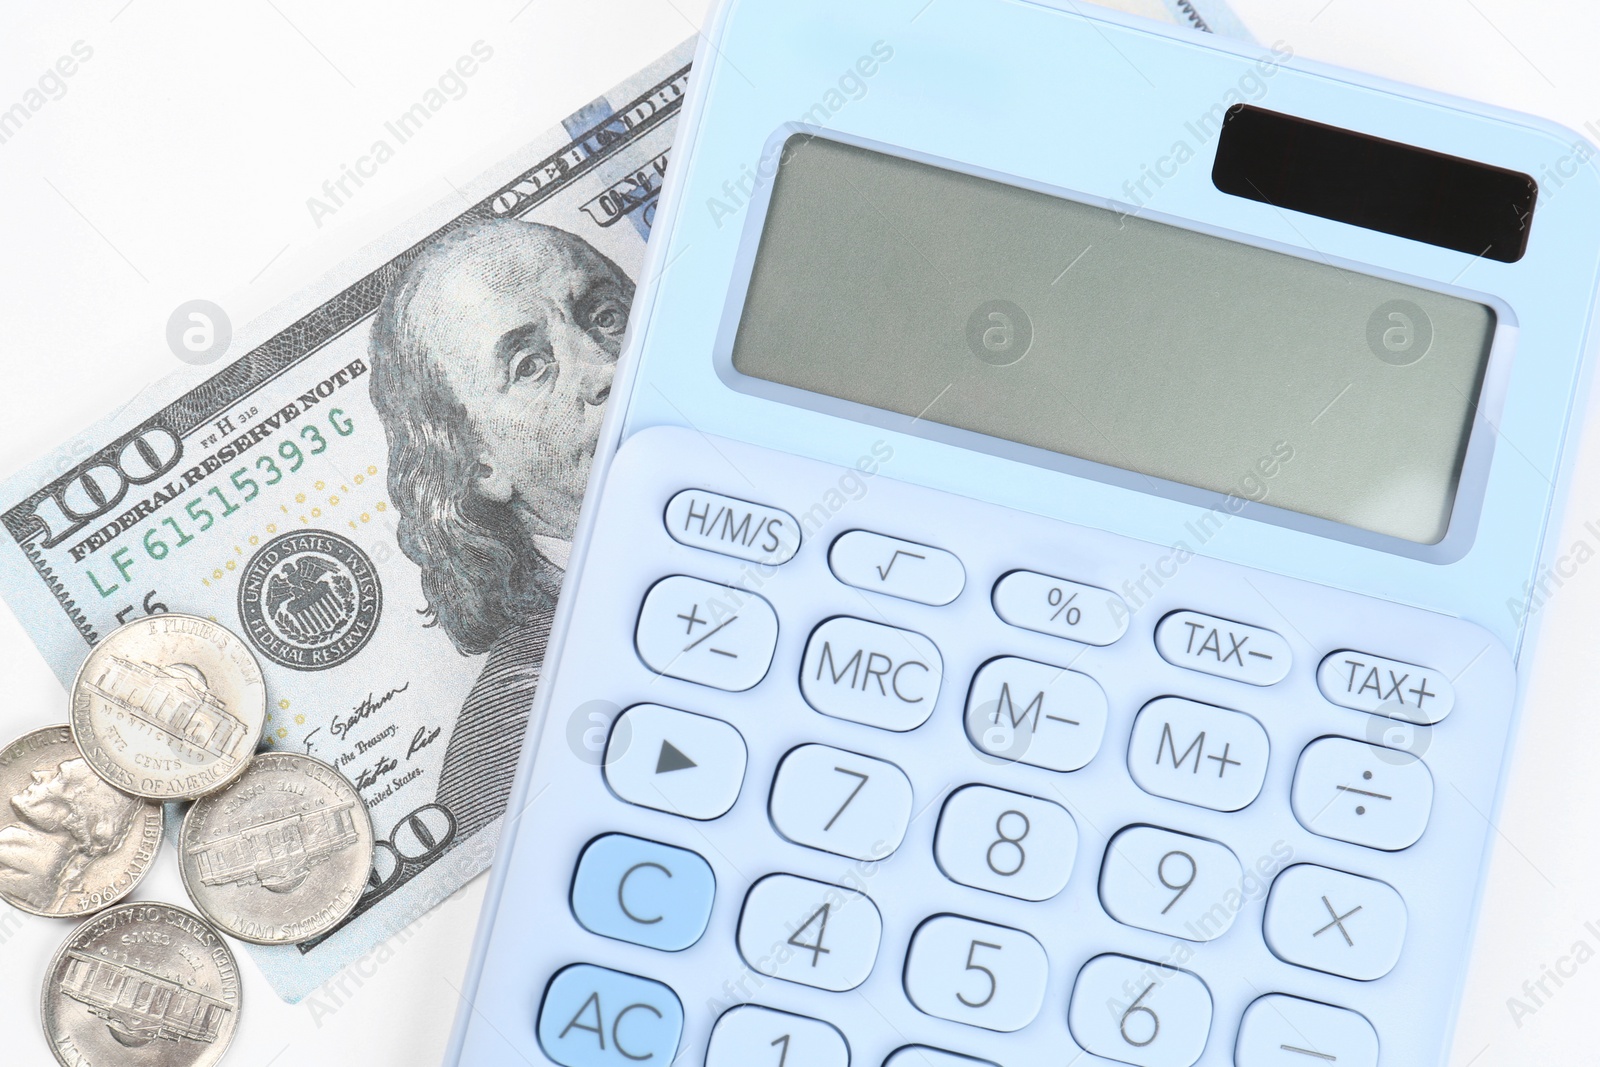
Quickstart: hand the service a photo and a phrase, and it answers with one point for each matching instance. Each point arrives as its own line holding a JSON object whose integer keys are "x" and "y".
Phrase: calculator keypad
{"x": 1005, "y": 842}
{"x": 1145, "y": 847}
{"x": 1035, "y": 713}
{"x": 976, "y": 973}
{"x": 841, "y": 802}
{"x": 1365, "y": 794}
{"x": 1198, "y": 753}
{"x": 870, "y": 673}
{"x": 810, "y": 932}
{"x": 1331, "y": 921}
{"x": 1140, "y": 1012}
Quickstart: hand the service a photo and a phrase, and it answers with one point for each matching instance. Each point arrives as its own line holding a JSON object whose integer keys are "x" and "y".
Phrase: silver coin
{"x": 169, "y": 707}
{"x": 69, "y": 843}
{"x": 282, "y": 854}
{"x": 141, "y": 984}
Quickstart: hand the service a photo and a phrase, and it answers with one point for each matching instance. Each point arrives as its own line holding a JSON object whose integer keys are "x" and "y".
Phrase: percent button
{"x": 1060, "y": 607}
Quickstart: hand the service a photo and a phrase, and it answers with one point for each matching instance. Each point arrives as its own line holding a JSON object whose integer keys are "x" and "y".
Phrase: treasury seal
{"x": 309, "y": 600}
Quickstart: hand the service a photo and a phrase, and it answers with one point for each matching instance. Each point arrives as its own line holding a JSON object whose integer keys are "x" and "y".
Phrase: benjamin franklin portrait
{"x": 492, "y": 358}
{"x": 64, "y": 820}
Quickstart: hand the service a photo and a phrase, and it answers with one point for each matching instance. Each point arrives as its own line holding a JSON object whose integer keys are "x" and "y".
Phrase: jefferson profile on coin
{"x": 492, "y": 359}
{"x": 67, "y": 818}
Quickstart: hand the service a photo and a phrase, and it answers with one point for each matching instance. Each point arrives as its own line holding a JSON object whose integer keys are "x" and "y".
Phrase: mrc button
{"x": 732, "y": 527}
{"x": 870, "y": 673}
{"x": 1227, "y": 649}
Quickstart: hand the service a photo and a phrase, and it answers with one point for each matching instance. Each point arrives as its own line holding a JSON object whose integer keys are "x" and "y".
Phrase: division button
{"x": 675, "y": 761}
{"x": 896, "y": 568}
{"x": 1365, "y": 794}
{"x": 1227, "y": 649}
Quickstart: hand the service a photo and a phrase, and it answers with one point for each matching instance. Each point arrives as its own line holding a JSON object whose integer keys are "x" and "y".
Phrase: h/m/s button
{"x": 732, "y": 527}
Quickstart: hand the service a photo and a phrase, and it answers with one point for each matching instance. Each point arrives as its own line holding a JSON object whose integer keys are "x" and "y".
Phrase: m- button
{"x": 1226, "y": 649}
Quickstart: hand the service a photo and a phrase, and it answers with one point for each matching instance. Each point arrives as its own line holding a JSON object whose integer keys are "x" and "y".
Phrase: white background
{"x": 178, "y": 165}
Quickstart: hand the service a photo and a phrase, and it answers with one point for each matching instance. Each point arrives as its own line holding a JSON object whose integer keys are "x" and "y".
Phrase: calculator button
{"x": 1198, "y": 753}
{"x": 749, "y": 1035}
{"x": 1138, "y": 1012}
{"x": 870, "y": 673}
{"x": 976, "y": 973}
{"x": 1385, "y": 687}
{"x": 1284, "y": 1031}
{"x": 673, "y": 761}
{"x": 593, "y": 1017}
{"x": 732, "y": 527}
{"x": 1227, "y": 649}
{"x": 1365, "y": 794}
{"x": 841, "y": 802}
{"x": 1006, "y": 843}
{"x": 1335, "y": 922}
{"x": 897, "y": 568}
{"x": 1035, "y": 713}
{"x": 922, "y": 1056}
{"x": 643, "y": 892}
{"x": 810, "y": 932}
{"x": 702, "y": 632}
{"x": 1171, "y": 883}
{"x": 1061, "y": 608}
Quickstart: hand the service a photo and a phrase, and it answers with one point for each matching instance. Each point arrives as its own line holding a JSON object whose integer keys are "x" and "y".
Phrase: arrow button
{"x": 671, "y": 758}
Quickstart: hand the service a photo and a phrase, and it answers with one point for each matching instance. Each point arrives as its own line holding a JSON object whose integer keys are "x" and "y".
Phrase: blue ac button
{"x": 594, "y": 1017}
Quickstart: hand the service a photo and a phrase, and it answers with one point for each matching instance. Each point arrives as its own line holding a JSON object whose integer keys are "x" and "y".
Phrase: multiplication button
{"x": 702, "y": 632}
{"x": 1227, "y": 649}
{"x": 1331, "y": 921}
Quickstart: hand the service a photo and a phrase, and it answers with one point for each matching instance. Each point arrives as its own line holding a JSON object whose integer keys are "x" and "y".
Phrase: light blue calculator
{"x": 1054, "y": 578}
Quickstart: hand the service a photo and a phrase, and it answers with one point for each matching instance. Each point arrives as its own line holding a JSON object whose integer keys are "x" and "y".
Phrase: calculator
{"x": 1054, "y": 577}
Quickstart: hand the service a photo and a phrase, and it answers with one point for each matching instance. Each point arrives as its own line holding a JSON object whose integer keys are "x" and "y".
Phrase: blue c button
{"x": 643, "y": 892}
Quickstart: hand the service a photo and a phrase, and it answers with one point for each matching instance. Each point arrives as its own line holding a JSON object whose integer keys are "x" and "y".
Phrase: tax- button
{"x": 1198, "y": 753}
{"x": 898, "y": 568}
{"x": 1227, "y": 649}
{"x": 870, "y": 673}
{"x": 1331, "y": 921}
{"x": 593, "y": 1017}
{"x": 643, "y": 892}
{"x": 1284, "y": 1031}
{"x": 702, "y": 632}
{"x": 673, "y": 761}
{"x": 1365, "y": 794}
{"x": 1385, "y": 687}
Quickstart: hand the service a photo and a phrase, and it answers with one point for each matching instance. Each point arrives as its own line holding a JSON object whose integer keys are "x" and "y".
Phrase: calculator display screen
{"x": 1113, "y": 338}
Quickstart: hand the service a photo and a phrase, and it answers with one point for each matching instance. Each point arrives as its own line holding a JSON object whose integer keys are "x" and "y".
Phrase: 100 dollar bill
{"x": 378, "y": 497}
